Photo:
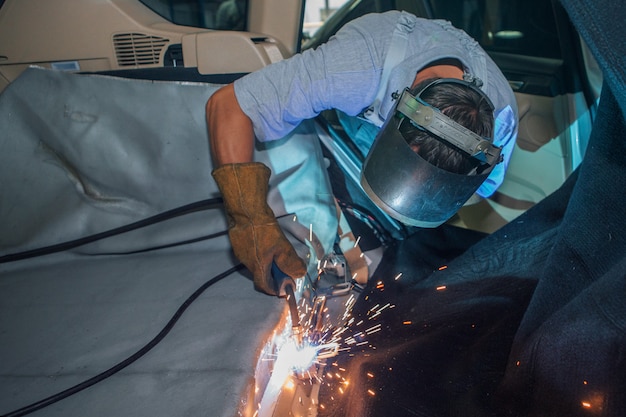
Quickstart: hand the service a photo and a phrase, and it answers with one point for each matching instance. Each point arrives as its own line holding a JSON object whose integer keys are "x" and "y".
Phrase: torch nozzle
{"x": 295, "y": 316}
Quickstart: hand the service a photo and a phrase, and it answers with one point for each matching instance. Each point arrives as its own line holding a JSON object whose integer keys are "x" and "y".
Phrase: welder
{"x": 434, "y": 114}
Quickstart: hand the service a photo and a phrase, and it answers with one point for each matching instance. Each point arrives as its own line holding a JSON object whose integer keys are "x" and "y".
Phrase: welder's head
{"x": 432, "y": 153}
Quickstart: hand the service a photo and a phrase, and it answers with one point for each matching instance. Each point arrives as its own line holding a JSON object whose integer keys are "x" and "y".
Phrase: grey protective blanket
{"x": 85, "y": 154}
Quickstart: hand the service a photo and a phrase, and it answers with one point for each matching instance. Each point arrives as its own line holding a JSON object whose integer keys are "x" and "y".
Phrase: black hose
{"x": 113, "y": 370}
{"x": 71, "y": 244}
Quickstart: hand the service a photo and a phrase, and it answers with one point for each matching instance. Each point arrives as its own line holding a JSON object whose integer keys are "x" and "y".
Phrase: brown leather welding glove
{"x": 254, "y": 233}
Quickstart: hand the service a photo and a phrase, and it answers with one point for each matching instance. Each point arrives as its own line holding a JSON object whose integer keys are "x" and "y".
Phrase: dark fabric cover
{"x": 529, "y": 321}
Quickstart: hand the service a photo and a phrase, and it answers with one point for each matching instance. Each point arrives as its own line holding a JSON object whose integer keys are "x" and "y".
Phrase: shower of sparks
{"x": 323, "y": 338}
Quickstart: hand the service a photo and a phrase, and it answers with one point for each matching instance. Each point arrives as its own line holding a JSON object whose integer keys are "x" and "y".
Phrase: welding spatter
{"x": 285, "y": 287}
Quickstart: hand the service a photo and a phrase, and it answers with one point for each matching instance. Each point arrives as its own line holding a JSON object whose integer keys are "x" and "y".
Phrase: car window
{"x": 521, "y": 27}
{"x": 316, "y": 13}
{"x": 209, "y": 14}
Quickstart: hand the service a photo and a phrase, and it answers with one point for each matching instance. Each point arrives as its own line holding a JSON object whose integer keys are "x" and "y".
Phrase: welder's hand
{"x": 254, "y": 233}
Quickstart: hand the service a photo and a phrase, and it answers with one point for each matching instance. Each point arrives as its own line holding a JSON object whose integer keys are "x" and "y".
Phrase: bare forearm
{"x": 231, "y": 136}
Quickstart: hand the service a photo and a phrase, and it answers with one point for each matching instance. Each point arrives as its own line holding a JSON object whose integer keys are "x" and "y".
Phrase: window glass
{"x": 209, "y": 14}
{"x": 316, "y": 12}
{"x": 316, "y": 32}
{"x": 523, "y": 27}
{"x": 514, "y": 26}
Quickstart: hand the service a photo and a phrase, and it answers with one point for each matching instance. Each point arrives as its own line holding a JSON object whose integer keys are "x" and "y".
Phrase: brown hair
{"x": 462, "y": 104}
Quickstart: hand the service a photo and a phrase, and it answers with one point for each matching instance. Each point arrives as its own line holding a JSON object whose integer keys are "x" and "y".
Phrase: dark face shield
{"x": 409, "y": 188}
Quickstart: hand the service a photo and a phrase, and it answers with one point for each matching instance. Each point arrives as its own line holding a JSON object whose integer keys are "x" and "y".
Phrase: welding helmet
{"x": 408, "y": 187}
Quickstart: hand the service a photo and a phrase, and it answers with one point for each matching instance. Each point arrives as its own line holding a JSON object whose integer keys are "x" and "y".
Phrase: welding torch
{"x": 285, "y": 286}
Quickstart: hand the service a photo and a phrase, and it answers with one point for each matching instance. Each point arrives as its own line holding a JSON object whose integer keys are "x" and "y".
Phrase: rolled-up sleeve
{"x": 343, "y": 74}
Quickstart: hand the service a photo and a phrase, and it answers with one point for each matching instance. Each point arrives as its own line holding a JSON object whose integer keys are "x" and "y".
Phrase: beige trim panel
{"x": 103, "y": 35}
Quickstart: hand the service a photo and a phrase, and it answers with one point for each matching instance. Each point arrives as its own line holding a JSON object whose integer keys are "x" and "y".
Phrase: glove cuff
{"x": 244, "y": 189}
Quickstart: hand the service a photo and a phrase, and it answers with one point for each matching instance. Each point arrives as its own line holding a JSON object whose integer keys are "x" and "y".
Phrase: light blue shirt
{"x": 345, "y": 74}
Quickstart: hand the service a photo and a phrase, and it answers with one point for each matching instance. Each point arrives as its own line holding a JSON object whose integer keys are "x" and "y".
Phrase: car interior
{"x": 551, "y": 81}
{"x": 554, "y": 80}
{"x": 552, "y": 72}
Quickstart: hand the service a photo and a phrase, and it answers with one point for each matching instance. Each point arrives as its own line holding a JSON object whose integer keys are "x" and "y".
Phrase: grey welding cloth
{"x": 82, "y": 154}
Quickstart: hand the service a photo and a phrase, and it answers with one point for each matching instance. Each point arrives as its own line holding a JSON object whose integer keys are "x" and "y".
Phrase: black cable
{"x": 121, "y": 365}
{"x": 364, "y": 216}
{"x": 71, "y": 244}
{"x": 179, "y": 211}
{"x": 169, "y": 245}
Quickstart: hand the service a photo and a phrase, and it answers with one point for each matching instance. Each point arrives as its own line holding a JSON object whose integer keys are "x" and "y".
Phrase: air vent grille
{"x": 137, "y": 49}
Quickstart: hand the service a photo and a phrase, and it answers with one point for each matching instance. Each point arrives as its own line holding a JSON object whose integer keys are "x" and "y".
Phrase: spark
{"x": 407, "y": 322}
{"x": 322, "y": 340}
{"x": 356, "y": 243}
{"x": 377, "y": 310}
{"x": 441, "y": 288}
{"x": 375, "y": 315}
{"x": 586, "y": 404}
{"x": 311, "y": 232}
{"x": 398, "y": 276}
{"x": 374, "y": 329}
{"x": 441, "y": 268}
